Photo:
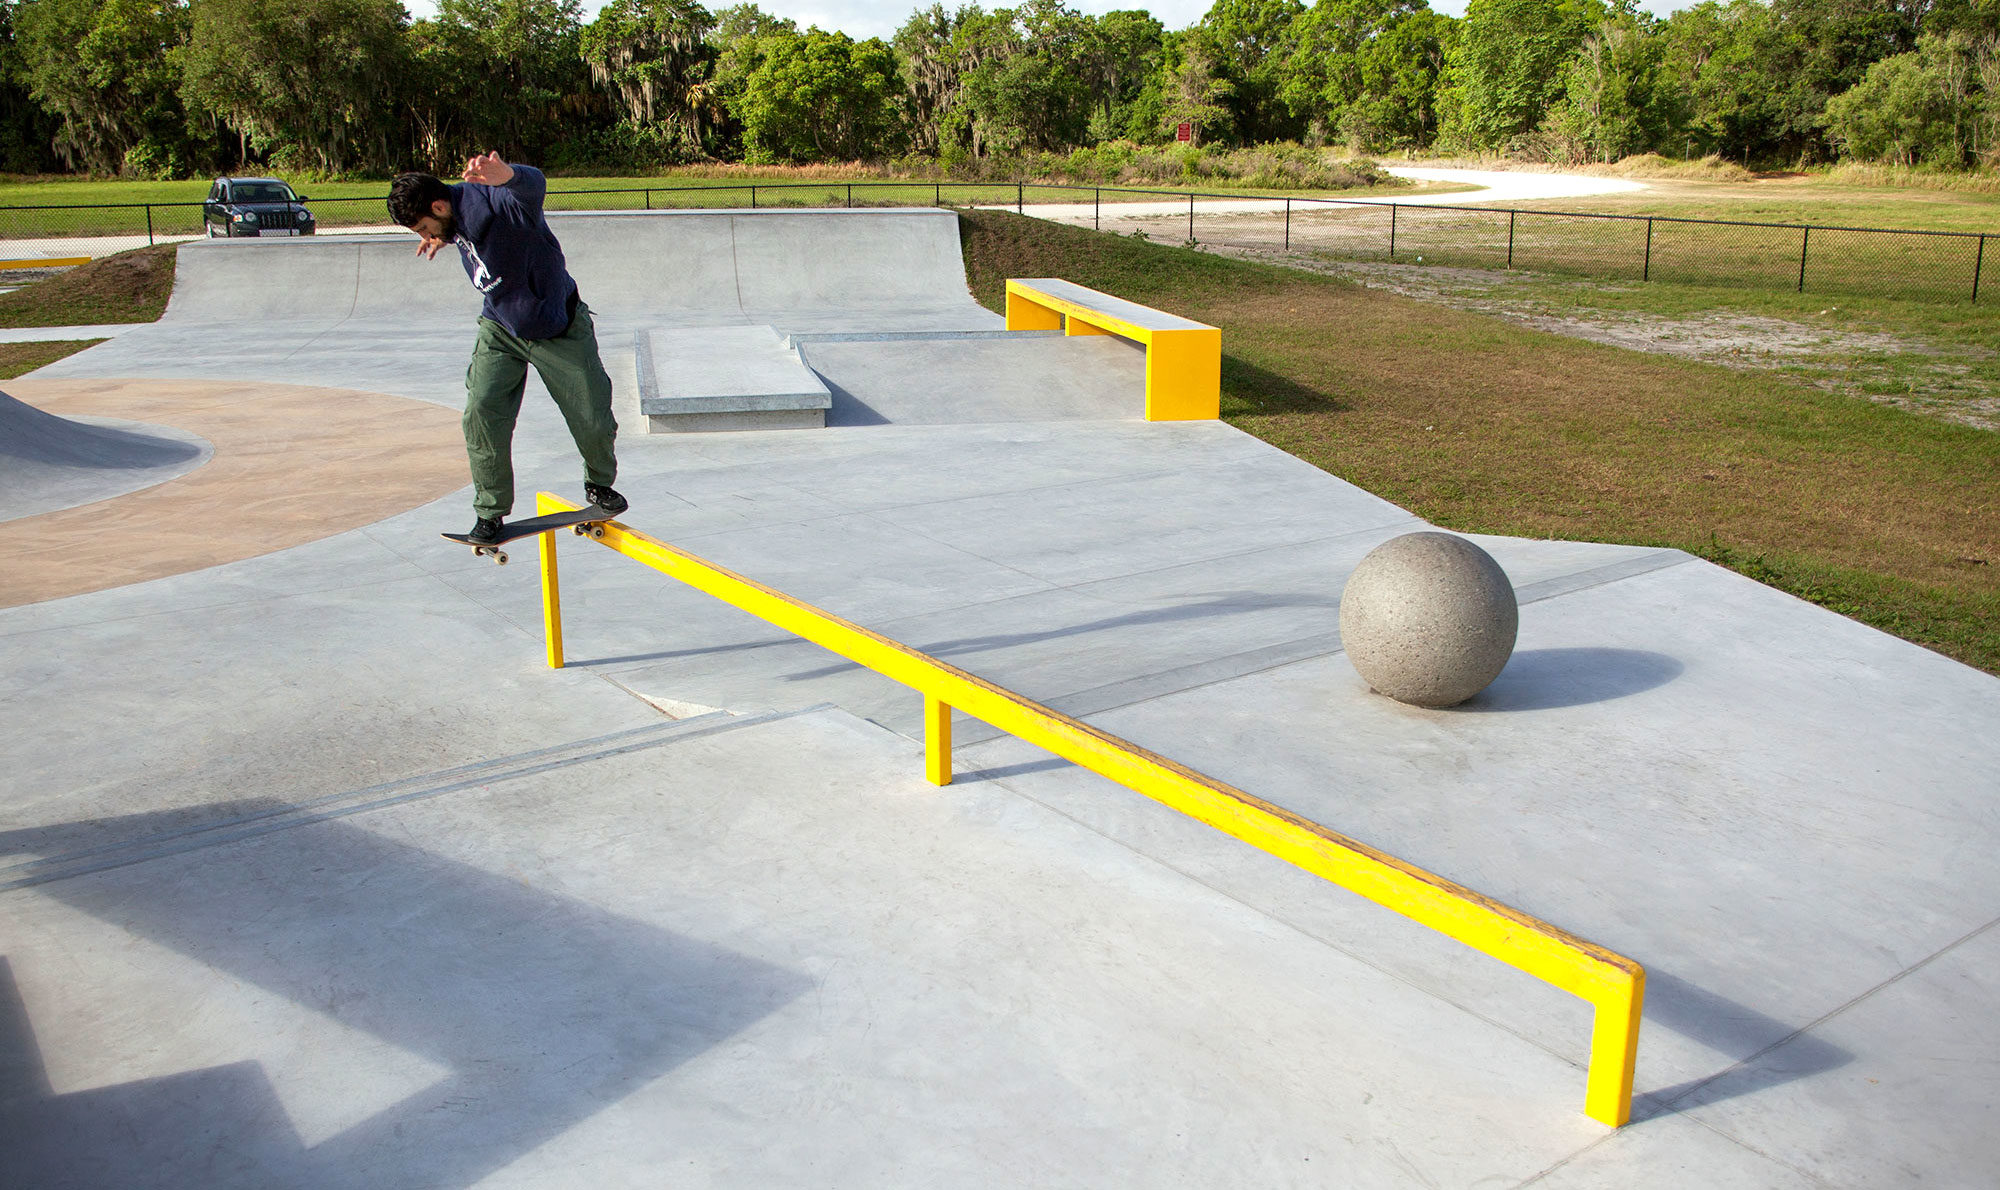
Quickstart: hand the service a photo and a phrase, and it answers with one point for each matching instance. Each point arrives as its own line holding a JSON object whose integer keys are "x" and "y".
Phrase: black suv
{"x": 255, "y": 207}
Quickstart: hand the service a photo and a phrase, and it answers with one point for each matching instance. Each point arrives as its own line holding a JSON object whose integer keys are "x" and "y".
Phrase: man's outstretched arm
{"x": 525, "y": 182}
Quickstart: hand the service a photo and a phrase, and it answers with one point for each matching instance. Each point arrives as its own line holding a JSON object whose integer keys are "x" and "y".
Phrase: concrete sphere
{"x": 1428, "y": 619}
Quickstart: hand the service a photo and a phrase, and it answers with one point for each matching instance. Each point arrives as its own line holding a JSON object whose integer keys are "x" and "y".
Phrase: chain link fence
{"x": 1879, "y": 262}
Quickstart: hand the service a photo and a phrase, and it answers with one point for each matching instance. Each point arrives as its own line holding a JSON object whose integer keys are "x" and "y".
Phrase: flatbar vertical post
{"x": 1978, "y": 266}
{"x": 551, "y": 601}
{"x": 1646, "y": 274}
{"x": 1804, "y": 240}
{"x": 937, "y": 740}
{"x": 1614, "y": 1054}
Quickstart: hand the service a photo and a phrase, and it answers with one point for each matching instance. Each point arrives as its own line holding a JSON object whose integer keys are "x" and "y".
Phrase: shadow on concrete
{"x": 544, "y": 1009}
{"x": 673, "y": 654}
{"x": 1228, "y": 603}
{"x": 1734, "y": 1030}
{"x": 1003, "y": 771}
{"x": 1543, "y": 679}
{"x": 848, "y": 409}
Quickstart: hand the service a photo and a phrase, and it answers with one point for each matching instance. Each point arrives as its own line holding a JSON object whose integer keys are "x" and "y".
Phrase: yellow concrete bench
{"x": 1183, "y": 357}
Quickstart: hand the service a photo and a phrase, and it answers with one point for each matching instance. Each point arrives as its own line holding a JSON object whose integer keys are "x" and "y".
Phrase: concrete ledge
{"x": 725, "y": 378}
{"x": 771, "y": 419}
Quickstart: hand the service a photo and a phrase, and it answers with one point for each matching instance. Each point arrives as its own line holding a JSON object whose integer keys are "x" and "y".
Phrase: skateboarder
{"x": 532, "y": 315}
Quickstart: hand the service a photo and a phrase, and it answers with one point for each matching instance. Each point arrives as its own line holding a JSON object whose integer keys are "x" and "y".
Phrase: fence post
{"x": 753, "y": 198}
{"x": 1646, "y": 273}
{"x": 1020, "y": 204}
{"x": 1392, "y": 231}
{"x": 1288, "y": 225}
{"x": 1097, "y": 213}
{"x": 649, "y": 200}
{"x": 1510, "y": 239}
{"x": 1804, "y": 240}
{"x": 1978, "y": 266}
{"x": 149, "y": 227}
{"x": 937, "y": 194}
{"x": 850, "y": 194}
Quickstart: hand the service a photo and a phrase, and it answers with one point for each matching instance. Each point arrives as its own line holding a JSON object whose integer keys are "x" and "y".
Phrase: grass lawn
{"x": 1939, "y": 358}
{"x": 128, "y": 287}
{"x": 1482, "y": 426}
{"x": 19, "y": 359}
{"x": 351, "y": 204}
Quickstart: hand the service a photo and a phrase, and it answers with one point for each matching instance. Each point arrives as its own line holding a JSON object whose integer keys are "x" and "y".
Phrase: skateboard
{"x": 583, "y": 521}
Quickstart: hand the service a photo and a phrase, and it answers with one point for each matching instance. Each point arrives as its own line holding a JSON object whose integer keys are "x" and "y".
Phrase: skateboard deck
{"x": 583, "y": 521}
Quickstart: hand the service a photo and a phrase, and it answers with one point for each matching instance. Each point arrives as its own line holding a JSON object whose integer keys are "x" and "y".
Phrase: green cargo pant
{"x": 496, "y": 377}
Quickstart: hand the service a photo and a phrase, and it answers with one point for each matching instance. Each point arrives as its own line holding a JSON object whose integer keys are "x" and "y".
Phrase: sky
{"x": 881, "y": 18}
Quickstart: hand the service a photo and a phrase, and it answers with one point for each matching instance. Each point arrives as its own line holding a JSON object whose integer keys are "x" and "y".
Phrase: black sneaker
{"x": 485, "y": 531}
{"x": 605, "y": 499}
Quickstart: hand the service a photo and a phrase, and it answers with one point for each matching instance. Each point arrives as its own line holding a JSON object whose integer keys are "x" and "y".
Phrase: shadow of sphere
{"x": 1543, "y": 679}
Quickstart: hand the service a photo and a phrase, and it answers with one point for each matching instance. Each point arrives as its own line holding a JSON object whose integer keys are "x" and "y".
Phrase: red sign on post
{"x": 1184, "y": 133}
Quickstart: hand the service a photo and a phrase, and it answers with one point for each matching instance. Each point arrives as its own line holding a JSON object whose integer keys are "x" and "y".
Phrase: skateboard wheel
{"x": 500, "y": 556}
{"x": 577, "y": 529}
{"x": 597, "y": 530}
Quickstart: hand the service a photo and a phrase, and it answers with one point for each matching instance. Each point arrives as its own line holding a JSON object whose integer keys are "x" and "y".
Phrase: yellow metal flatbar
{"x": 45, "y": 262}
{"x": 1612, "y": 983}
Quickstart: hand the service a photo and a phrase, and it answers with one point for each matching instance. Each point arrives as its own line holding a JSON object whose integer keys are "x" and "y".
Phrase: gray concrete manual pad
{"x": 314, "y": 874}
{"x": 725, "y": 378}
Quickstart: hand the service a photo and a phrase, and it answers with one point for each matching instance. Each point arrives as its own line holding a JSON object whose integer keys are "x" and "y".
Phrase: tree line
{"x": 175, "y": 88}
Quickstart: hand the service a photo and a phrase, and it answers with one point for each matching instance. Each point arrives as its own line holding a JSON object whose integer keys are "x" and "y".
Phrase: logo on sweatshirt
{"x": 483, "y": 279}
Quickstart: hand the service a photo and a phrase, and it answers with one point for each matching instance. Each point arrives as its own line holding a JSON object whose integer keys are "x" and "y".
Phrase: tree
{"x": 1121, "y": 69}
{"x": 1247, "y": 42}
{"x": 654, "y": 58}
{"x": 106, "y": 70}
{"x": 929, "y": 69}
{"x": 1367, "y": 71}
{"x": 1613, "y": 103}
{"x": 527, "y": 88}
{"x": 821, "y": 96}
{"x": 309, "y": 81}
{"x": 26, "y": 131}
{"x": 1197, "y": 92}
{"x": 1506, "y": 68}
{"x": 1932, "y": 106}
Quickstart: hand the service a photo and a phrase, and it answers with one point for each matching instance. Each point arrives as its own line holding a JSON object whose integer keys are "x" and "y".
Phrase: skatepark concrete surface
{"x": 316, "y": 875}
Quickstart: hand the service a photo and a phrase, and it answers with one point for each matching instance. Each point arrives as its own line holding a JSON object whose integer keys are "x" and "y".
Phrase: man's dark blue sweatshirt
{"x": 512, "y": 256}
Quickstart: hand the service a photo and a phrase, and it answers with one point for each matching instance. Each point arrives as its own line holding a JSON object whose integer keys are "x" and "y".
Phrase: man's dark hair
{"x": 411, "y": 196}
